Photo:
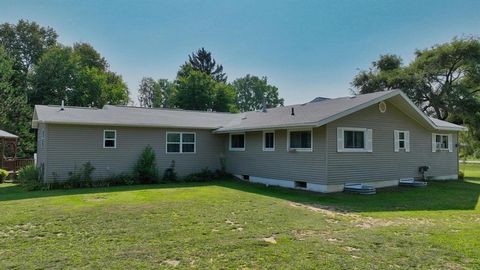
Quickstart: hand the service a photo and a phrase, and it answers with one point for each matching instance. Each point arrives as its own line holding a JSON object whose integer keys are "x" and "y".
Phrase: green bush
{"x": 120, "y": 179}
{"x": 3, "y": 175}
{"x": 145, "y": 170}
{"x": 206, "y": 175}
{"x": 79, "y": 178}
{"x": 29, "y": 178}
{"x": 461, "y": 175}
{"x": 170, "y": 175}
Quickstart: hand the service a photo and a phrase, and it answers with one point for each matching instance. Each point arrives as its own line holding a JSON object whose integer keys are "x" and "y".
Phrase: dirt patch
{"x": 270, "y": 239}
{"x": 173, "y": 263}
{"x": 334, "y": 240}
{"x": 329, "y": 211}
{"x": 350, "y": 249}
{"x": 95, "y": 199}
{"x": 335, "y": 215}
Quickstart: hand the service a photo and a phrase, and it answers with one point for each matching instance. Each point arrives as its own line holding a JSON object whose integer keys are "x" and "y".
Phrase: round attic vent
{"x": 382, "y": 107}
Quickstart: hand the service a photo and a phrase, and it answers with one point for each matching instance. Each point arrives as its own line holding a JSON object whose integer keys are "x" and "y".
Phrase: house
{"x": 375, "y": 138}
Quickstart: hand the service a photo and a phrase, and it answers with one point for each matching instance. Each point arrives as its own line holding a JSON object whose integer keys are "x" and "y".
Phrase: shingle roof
{"x": 132, "y": 116}
{"x": 4, "y": 134}
{"x": 308, "y": 114}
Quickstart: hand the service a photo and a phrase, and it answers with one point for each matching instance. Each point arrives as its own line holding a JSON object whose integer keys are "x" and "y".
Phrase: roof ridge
{"x": 72, "y": 107}
{"x": 168, "y": 109}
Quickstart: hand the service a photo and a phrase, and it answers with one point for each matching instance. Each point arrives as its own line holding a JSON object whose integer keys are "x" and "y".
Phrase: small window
{"x": 354, "y": 139}
{"x": 181, "y": 142}
{"x": 300, "y": 184}
{"x": 42, "y": 138}
{"x": 109, "y": 139}
{"x": 401, "y": 140}
{"x": 237, "y": 142}
{"x": 442, "y": 142}
{"x": 268, "y": 141}
{"x": 300, "y": 140}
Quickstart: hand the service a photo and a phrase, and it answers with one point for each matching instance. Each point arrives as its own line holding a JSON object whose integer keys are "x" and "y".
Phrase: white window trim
{"x": 114, "y": 139}
{"x": 300, "y": 149}
{"x": 406, "y": 140}
{"x": 230, "y": 142}
{"x": 181, "y": 142}
{"x": 274, "y": 141}
{"x": 368, "y": 144}
{"x": 435, "y": 147}
{"x": 42, "y": 138}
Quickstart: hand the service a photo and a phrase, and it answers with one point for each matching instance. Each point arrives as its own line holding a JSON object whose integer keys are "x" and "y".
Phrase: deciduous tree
{"x": 253, "y": 92}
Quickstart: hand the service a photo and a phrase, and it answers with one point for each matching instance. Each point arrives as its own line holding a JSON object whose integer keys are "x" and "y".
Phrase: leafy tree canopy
{"x": 77, "y": 75}
{"x": 156, "y": 94}
{"x": 195, "y": 91}
{"x": 15, "y": 113}
{"x": 442, "y": 80}
{"x": 253, "y": 92}
{"x": 26, "y": 42}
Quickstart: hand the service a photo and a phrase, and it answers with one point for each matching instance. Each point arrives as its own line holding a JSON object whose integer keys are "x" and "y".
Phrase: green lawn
{"x": 471, "y": 170}
{"x": 232, "y": 224}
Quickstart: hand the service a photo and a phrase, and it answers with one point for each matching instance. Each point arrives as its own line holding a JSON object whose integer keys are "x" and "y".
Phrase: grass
{"x": 232, "y": 224}
{"x": 472, "y": 170}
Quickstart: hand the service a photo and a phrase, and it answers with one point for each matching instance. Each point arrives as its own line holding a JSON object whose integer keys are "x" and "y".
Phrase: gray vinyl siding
{"x": 41, "y": 149}
{"x": 70, "y": 146}
{"x": 279, "y": 164}
{"x": 383, "y": 163}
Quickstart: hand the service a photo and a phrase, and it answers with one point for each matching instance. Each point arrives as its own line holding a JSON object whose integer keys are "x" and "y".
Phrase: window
{"x": 109, "y": 139}
{"x": 442, "y": 142}
{"x": 268, "y": 141}
{"x": 354, "y": 140}
{"x": 401, "y": 140}
{"x": 42, "y": 138}
{"x": 237, "y": 142}
{"x": 300, "y": 140}
{"x": 181, "y": 142}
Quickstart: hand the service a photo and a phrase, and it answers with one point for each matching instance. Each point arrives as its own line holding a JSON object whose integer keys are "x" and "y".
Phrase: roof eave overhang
{"x": 37, "y": 122}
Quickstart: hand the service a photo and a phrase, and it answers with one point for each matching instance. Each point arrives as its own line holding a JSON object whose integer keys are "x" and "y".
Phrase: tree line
{"x": 201, "y": 84}
{"x": 36, "y": 69}
{"x": 443, "y": 81}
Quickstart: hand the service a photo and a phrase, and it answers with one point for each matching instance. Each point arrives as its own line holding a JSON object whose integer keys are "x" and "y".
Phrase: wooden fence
{"x": 14, "y": 165}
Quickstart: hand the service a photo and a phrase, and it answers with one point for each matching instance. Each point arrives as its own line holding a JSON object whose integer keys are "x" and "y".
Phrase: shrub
{"x": 170, "y": 175}
{"x": 29, "y": 178}
{"x": 3, "y": 175}
{"x": 145, "y": 170}
{"x": 81, "y": 178}
{"x": 204, "y": 175}
{"x": 461, "y": 175}
{"x": 120, "y": 179}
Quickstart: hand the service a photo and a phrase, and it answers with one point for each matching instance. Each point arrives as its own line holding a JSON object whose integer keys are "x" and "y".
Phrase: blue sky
{"x": 305, "y": 48}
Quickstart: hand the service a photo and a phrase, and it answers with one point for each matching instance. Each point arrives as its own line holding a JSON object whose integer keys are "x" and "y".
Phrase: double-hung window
{"x": 442, "y": 142}
{"x": 237, "y": 142}
{"x": 268, "y": 141}
{"x": 300, "y": 140}
{"x": 354, "y": 139}
{"x": 181, "y": 142}
{"x": 401, "y": 140}
{"x": 109, "y": 139}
